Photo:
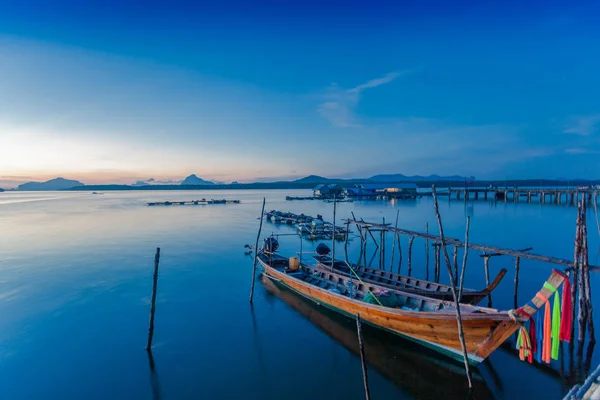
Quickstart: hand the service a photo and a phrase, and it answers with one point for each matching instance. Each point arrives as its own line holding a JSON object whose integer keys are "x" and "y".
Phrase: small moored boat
{"x": 406, "y": 283}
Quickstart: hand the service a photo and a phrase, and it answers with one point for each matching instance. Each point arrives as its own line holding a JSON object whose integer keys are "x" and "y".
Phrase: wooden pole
{"x": 394, "y": 242}
{"x": 373, "y": 237}
{"x": 300, "y": 236}
{"x": 586, "y": 275}
{"x": 381, "y": 266}
{"x": 410, "y": 243}
{"x": 455, "y": 261}
{"x": 486, "y": 263}
{"x": 346, "y": 253}
{"x": 362, "y": 357}
{"x": 464, "y": 262}
{"x": 363, "y": 242}
{"x": 517, "y": 265}
{"x": 333, "y": 234}
{"x": 427, "y": 252}
{"x": 399, "y": 252}
{"x": 575, "y": 276}
{"x": 461, "y": 335}
{"x": 383, "y": 246}
{"x": 153, "y": 301}
{"x": 436, "y": 253}
{"x": 581, "y": 316}
{"x": 256, "y": 249}
{"x": 596, "y": 210}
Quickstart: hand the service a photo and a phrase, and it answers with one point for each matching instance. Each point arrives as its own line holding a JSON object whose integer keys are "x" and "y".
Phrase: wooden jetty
{"x": 488, "y": 250}
{"x": 568, "y": 196}
{"x": 429, "y": 322}
{"x": 290, "y": 198}
{"x": 193, "y": 202}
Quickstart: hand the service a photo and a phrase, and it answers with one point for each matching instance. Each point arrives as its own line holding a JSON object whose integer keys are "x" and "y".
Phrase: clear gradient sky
{"x": 120, "y": 91}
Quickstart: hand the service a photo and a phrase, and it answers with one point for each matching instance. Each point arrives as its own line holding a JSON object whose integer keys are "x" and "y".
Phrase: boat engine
{"x": 322, "y": 249}
{"x": 270, "y": 245}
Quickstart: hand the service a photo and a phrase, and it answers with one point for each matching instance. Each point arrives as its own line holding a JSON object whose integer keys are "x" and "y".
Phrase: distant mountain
{"x": 141, "y": 183}
{"x": 1, "y": 190}
{"x": 194, "y": 180}
{"x": 313, "y": 179}
{"x": 416, "y": 178}
{"x": 53, "y": 184}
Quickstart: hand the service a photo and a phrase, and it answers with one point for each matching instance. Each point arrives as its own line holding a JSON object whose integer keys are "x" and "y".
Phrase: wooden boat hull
{"x": 409, "y": 284}
{"x": 484, "y": 331}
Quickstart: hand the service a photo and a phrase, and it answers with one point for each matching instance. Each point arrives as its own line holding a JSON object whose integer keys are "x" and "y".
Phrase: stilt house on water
{"x": 328, "y": 191}
{"x": 396, "y": 190}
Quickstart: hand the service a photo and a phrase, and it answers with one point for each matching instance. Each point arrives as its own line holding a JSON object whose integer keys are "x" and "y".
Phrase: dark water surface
{"x": 75, "y": 284}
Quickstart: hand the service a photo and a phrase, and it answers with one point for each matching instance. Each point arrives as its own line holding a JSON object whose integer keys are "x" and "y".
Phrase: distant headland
{"x": 53, "y": 184}
{"x": 193, "y": 182}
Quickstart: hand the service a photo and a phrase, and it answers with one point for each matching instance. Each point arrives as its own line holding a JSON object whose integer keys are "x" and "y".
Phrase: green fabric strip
{"x": 555, "y": 327}
{"x": 549, "y": 287}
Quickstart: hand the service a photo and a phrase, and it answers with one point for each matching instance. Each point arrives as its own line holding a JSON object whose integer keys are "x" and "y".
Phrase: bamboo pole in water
{"x": 333, "y": 234}
{"x": 461, "y": 335}
{"x": 455, "y": 262}
{"x": 372, "y": 237}
{"x": 596, "y": 210}
{"x": 362, "y": 357}
{"x": 575, "y": 283}
{"x": 153, "y": 301}
{"x": 581, "y": 315}
{"x": 517, "y": 265}
{"x": 381, "y": 266}
{"x": 363, "y": 242}
{"x": 486, "y": 263}
{"x": 399, "y": 252}
{"x": 346, "y": 253}
{"x": 256, "y": 249}
{"x": 394, "y": 242}
{"x": 436, "y": 255}
{"x": 383, "y": 247}
{"x": 464, "y": 262}
{"x": 410, "y": 243}
{"x": 586, "y": 275}
{"x": 427, "y": 252}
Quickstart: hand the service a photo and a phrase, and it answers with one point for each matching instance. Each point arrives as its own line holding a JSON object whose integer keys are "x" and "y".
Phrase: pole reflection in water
{"x": 411, "y": 367}
{"x": 154, "y": 381}
{"x": 259, "y": 354}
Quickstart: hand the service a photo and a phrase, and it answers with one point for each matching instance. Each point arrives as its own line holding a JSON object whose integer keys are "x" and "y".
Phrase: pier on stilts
{"x": 193, "y": 202}
{"x": 557, "y": 196}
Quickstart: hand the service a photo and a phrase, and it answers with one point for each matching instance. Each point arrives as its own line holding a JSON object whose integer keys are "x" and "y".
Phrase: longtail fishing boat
{"x": 430, "y": 322}
{"x": 406, "y": 283}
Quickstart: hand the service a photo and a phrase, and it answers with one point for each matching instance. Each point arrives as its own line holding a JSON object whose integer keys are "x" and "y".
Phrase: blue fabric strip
{"x": 539, "y": 333}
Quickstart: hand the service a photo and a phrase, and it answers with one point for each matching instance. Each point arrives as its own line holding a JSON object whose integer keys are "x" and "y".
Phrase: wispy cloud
{"x": 584, "y": 125}
{"x": 580, "y": 150}
{"x": 375, "y": 82}
{"x": 340, "y": 104}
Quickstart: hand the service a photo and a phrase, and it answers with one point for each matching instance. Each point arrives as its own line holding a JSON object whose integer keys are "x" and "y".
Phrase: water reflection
{"x": 413, "y": 368}
{"x": 154, "y": 381}
{"x": 259, "y": 354}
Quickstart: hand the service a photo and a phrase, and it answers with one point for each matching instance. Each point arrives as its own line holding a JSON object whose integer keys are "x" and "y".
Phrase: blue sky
{"x": 114, "y": 91}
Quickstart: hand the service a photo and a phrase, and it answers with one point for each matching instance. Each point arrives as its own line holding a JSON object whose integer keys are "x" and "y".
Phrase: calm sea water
{"x": 75, "y": 284}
